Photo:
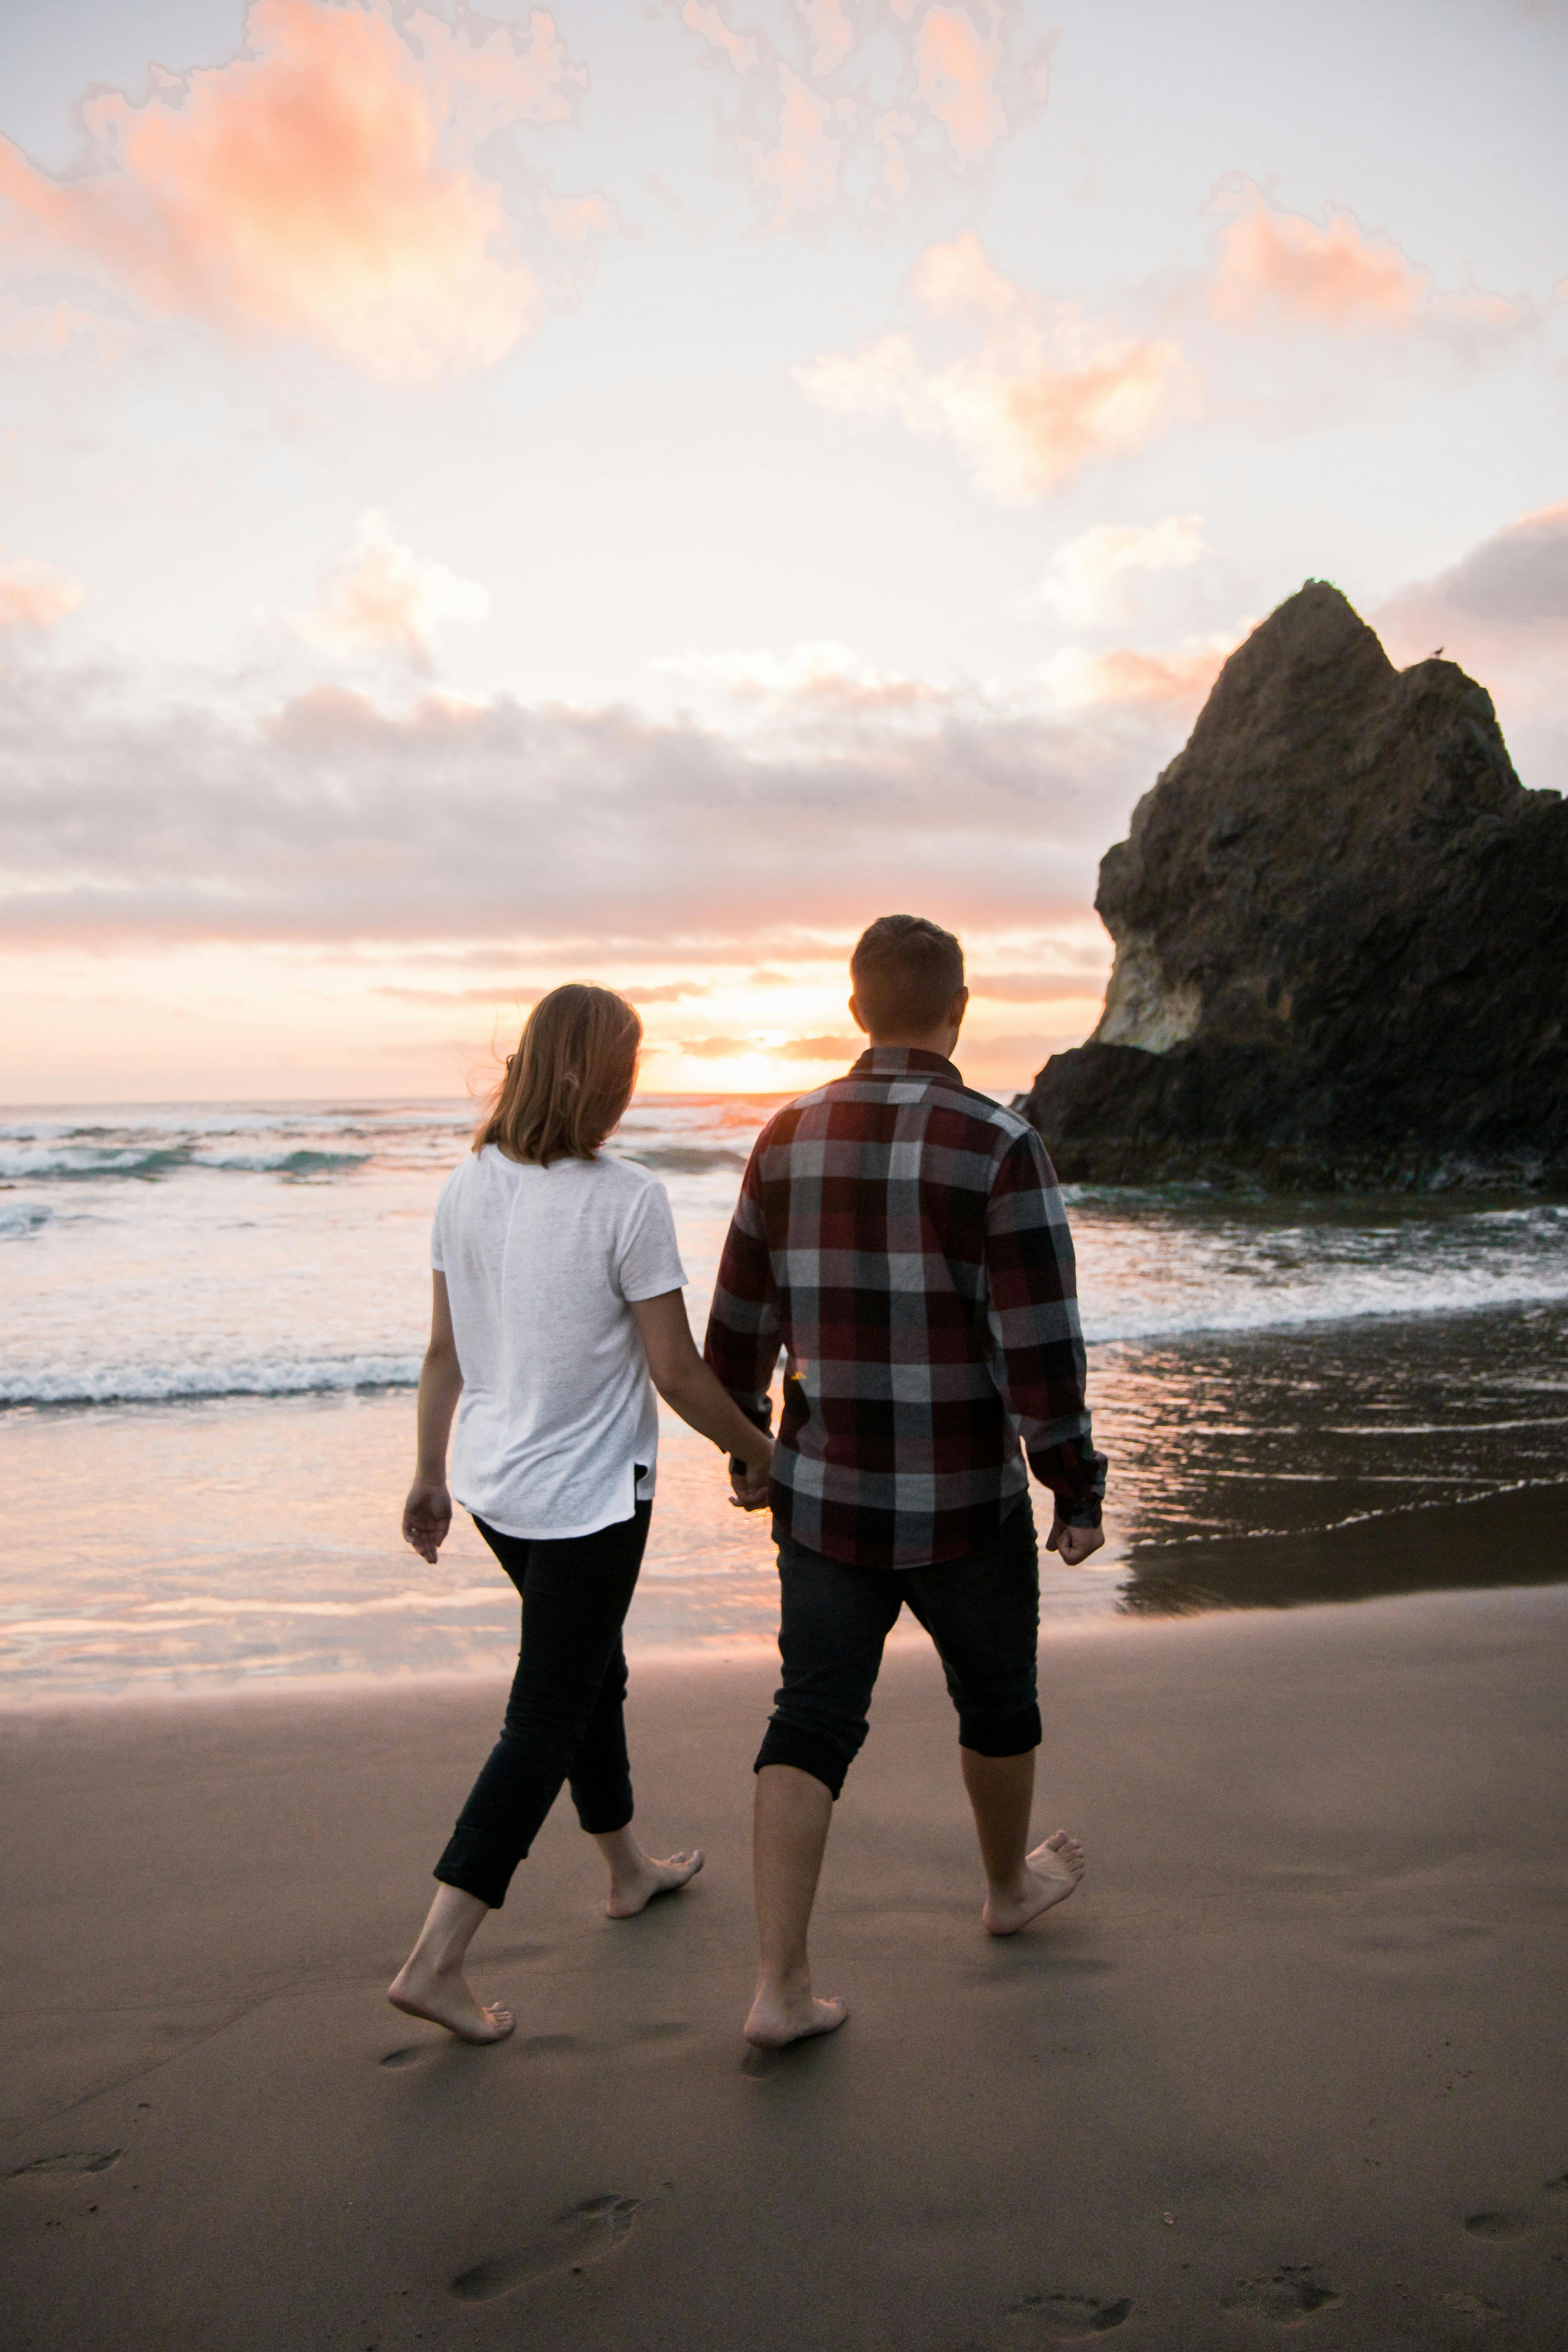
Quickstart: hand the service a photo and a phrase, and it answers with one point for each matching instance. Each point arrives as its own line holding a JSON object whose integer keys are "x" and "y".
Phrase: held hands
{"x": 1075, "y": 1544}
{"x": 749, "y": 1485}
{"x": 426, "y": 1517}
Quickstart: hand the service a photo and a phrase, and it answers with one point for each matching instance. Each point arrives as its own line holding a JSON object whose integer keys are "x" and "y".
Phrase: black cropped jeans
{"x": 564, "y": 1719}
{"x": 981, "y": 1611}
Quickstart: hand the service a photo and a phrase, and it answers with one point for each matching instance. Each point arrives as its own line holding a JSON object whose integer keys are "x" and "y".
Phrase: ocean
{"x": 214, "y": 1317}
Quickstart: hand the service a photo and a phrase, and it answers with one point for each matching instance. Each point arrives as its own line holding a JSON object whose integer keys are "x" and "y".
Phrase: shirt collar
{"x": 905, "y": 1061}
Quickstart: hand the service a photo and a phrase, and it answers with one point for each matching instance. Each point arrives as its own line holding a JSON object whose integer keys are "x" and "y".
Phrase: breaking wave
{"x": 126, "y": 1384}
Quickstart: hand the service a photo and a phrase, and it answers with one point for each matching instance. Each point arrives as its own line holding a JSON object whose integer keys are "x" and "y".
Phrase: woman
{"x": 557, "y": 1292}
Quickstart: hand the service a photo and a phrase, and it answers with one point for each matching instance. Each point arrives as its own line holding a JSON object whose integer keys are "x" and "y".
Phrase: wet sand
{"x": 1297, "y": 2056}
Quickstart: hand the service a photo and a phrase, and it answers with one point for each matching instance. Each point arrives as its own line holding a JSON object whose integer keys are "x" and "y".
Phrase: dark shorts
{"x": 983, "y": 1612}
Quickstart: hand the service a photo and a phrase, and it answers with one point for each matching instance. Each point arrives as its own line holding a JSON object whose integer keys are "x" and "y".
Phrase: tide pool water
{"x": 213, "y": 1315}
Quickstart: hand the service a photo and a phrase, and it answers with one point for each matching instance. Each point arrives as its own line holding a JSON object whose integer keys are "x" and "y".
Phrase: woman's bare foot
{"x": 1050, "y": 1875}
{"x": 444, "y": 1998}
{"x": 633, "y": 1890}
{"x": 778, "y": 2017}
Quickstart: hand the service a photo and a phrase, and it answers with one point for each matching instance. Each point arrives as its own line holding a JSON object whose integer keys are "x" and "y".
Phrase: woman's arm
{"x": 690, "y": 1389}
{"x": 427, "y": 1513}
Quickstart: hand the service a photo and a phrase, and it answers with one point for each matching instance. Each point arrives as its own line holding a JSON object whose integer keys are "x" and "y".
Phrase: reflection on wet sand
{"x": 1516, "y": 1537}
{"x": 1332, "y": 1464}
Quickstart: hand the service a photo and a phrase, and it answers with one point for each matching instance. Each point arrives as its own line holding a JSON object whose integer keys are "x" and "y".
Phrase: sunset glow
{"x": 633, "y": 493}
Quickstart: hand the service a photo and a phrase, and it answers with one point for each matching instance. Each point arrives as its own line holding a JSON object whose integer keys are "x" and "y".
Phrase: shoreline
{"x": 1423, "y": 1549}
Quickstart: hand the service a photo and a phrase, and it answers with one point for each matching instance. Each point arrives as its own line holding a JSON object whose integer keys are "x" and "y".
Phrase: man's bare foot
{"x": 633, "y": 1890}
{"x": 779, "y": 2018}
{"x": 1049, "y": 1877}
{"x": 445, "y": 1998}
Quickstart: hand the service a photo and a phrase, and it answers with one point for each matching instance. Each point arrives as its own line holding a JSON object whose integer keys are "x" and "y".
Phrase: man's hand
{"x": 749, "y": 1484}
{"x": 1075, "y": 1544}
{"x": 427, "y": 1517}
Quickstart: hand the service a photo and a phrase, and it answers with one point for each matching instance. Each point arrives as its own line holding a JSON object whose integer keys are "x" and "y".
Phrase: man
{"x": 902, "y": 1239}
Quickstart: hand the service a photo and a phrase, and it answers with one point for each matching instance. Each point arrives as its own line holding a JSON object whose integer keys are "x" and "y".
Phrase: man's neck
{"x": 937, "y": 1041}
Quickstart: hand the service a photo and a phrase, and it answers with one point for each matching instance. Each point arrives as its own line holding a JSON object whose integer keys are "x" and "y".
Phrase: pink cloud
{"x": 957, "y": 68}
{"x": 573, "y": 220}
{"x": 699, "y": 17}
{"x": 35, "y": 595}
{"x": 844, "y": 110}
{"x": 320, "y": 187}
{"x": 832, "y": 34}
{"x": 383, "y": 598}
{"x": 821, "y": 675}
{"x": 1041, "y": 394}
{"x": 801, "y": 170}
{"x": 1282, "y": 268}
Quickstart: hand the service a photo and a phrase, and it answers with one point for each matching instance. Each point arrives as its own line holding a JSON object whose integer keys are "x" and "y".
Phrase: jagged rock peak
{"x": 1275, "y": 828}
{"x": 1342, "y": 936}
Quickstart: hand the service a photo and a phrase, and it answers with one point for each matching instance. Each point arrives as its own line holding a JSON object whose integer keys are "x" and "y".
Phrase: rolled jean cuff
{"x": 808, "y": 1751}
{"x": 480, "y": 1863}
{"x": 603, "y": 1816}
{"x": 990, "y": 1734}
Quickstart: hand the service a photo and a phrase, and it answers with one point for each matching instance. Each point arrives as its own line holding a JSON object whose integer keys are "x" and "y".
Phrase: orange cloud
{"x": 1043, "y": 393}
{"x": 35, "y": 595}
{"x": 1175, "y": 680}
{"x": 1039, "y": 987}
{"x": 319, "y": 187}
{"x": 383, "y": 598}
{"x": 821, "y": 1049}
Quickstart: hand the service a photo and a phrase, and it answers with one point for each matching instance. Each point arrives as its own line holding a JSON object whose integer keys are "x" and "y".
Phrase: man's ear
{"x": 958, "y": 1008}
{"x": 860, "y": 1022}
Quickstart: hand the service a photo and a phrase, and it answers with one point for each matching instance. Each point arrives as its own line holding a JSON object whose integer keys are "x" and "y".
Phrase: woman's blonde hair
{"x": 569, "y": 1079}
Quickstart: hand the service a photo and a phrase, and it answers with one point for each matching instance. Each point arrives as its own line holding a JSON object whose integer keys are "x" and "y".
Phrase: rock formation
{"x": 1342, "y": 939}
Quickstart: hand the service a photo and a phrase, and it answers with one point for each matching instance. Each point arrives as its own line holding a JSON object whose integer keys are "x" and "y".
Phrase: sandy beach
{"x": 1297, "y": 2056}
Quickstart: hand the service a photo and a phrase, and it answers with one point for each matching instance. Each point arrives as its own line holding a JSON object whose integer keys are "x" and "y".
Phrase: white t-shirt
{"x": 557, "y": 1410}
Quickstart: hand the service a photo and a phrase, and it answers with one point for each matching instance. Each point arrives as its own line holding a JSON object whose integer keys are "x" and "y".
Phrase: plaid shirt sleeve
{"x": 743, "y": 1343}
{"x": 1032, "y": 1307}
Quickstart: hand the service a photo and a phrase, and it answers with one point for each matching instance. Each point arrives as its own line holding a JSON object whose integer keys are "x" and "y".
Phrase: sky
{"x": 631, "y": 491}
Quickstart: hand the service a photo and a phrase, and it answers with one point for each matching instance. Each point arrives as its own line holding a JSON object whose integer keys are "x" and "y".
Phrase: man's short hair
{"x": 906, "y": 972}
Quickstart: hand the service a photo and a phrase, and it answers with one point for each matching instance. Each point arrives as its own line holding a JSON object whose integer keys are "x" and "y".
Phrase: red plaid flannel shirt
{"x": 903, "y": 1239}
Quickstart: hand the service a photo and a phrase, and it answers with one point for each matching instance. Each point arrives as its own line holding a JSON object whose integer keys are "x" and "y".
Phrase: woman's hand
{"x": 690, "y": 1389}
{"x": 426, "y": 1517}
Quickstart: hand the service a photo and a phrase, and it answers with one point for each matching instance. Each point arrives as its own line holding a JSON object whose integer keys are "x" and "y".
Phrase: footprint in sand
{"x": 1475, "y": 2309}
{"x": 1558, "y": 2187}
{"x": 1291, "y": 2295}
{"x": 1501, "y": 2227}
{"x": 1067, "y": 2316}
{"x": 77, "y": 2160}
{"x": 586, "y": 2234}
